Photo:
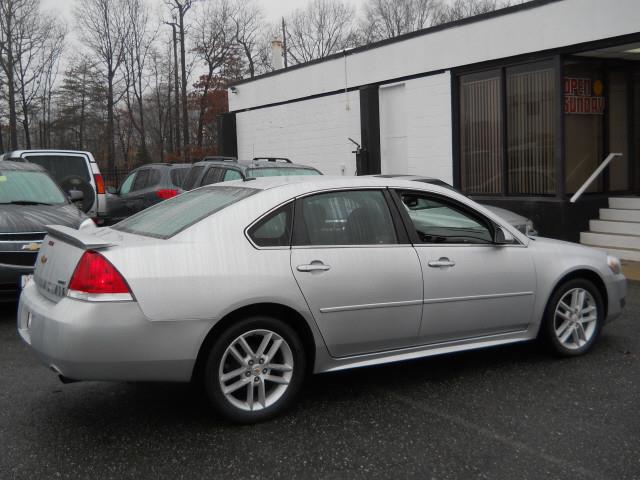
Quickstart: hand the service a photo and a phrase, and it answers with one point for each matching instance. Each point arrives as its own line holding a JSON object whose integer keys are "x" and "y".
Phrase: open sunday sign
{"x": 582, "y": 96}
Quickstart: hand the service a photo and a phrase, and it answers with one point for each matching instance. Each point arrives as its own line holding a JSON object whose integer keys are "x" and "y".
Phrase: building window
{"x": 530, "y": 130}
{"x": 481, "y": 133}
{"x": 583, "y": 108}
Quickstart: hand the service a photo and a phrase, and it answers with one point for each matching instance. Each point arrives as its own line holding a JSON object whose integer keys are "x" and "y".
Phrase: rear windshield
{"x": 62, "y": 166}
{"x": 177, "y": 176}
{"x": 170, "y": 217}
{"x": 28, "y": 187}
{"x": 280, "y": 172}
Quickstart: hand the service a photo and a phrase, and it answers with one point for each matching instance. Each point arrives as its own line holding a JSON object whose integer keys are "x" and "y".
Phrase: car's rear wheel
{"x": 574, "y": 317}
{"x": 255, "y": 369}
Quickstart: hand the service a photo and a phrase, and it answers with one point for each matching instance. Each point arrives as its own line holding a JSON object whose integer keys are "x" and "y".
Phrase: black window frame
{"x": 452, "y": 203}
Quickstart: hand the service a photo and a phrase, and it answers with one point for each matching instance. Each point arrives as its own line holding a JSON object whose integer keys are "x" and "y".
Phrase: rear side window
{"x": 178, "y": 175}
{"x": 344, "y": 218}
{"x": 192, "y": 177}
{"x": 170, "y": 217}
{"x": 275, "y": 229}
{"x": 62, "y": 166}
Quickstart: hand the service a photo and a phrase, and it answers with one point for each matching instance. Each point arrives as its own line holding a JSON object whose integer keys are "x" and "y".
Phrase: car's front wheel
{"x": 255, "y": 369}
{"x": 574, "y": 317}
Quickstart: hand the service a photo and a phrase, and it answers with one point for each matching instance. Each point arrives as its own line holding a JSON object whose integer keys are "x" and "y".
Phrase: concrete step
{"x": 610, "y": 240}
{"x": 625, "y": 203}
{"x": 633, "y": 255}
{"x": 619, "y": 215}
{"x": 623, "y": 228}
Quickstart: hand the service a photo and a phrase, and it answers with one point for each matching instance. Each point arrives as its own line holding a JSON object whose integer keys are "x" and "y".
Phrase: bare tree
{"x": 138, "y": 48}
{"x": 460, "y": 9}
{"x": 320, "y": 29}
{"x": 391, "y": 18}
{"x": 213, "y": 39}
{"x": 179, "y": 9}
{"x": 248, "y": 19}
{"x": 104, "y": 27}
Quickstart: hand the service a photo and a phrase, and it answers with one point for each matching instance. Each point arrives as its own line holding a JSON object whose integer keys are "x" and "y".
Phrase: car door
{"x": 116, "y": 201}
{"x": 135, "y": 200}
{"x": 360, "y": 276}
{"x": 472, "y": 287}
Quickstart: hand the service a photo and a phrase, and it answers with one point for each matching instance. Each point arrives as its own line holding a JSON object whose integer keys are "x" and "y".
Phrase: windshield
{"x": 23, "y": 186}
{"x": 280, "y": 172}
{"x": 170, "y": 217}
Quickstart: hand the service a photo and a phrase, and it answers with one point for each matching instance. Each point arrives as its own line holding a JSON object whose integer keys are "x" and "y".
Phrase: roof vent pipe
{"x": 277, "y": 58}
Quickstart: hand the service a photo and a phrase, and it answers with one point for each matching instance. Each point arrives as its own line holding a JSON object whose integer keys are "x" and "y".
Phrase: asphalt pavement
{"x": 504, "y": 413}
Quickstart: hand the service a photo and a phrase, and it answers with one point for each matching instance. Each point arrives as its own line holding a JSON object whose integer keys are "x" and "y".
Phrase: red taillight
{"x": 95, "y": 275}
{"x": 165, "y": 193}
{"x": 99, "y": 183}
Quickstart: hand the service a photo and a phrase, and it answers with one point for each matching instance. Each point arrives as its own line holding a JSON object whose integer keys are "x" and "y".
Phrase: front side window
{"x": 128, "y": 182}
{"x": 170, "y": 217}
{"x": 192, "y": 177}
{"x": 25, "y": 187}
{"x": 439, "y": 221}
{"x": 213, "y": 175}
{"x": 275, "y": 229}
{"x": 354, "y": 217}
{"x": 230, "y": 174}
{"x": 141, "y": 180}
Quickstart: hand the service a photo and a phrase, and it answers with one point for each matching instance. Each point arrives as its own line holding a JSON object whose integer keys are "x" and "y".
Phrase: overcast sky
{"x": 274, "y": 9}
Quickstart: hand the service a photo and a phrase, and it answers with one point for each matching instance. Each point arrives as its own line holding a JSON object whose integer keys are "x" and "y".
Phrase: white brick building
{"x": 517, "y": 106}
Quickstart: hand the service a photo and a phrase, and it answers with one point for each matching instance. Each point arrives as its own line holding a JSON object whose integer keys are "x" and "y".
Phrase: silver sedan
{"x": 249, "y": 286}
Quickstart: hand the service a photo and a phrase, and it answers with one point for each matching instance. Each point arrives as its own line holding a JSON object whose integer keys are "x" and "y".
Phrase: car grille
{"x": 20, "y": 249}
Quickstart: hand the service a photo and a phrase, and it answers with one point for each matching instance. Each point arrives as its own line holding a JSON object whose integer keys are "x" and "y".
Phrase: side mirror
{"x": 502, "y": 237}
{"x": 112, "y": 190}
{"x": 76, "y": 195}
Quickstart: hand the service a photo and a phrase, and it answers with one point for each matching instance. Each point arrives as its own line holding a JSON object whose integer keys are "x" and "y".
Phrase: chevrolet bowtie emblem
{"x": 32, "y": 247}
{"x": 43, "y": 259}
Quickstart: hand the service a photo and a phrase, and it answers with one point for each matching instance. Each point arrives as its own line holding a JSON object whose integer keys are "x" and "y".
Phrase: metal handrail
{"x": 593, "y": 176}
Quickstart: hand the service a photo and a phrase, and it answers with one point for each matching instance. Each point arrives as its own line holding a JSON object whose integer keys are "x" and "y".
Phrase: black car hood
{"x": 33, "y": 218}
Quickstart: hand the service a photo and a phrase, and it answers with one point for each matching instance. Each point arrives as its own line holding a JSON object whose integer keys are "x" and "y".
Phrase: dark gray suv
{"x": 143, "y": 187}
{"x": 222, "y": 169}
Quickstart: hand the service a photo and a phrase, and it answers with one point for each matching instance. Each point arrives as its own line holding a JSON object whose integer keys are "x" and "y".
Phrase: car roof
{"x": 261, "y": 163}
{"x": 23, "y": 166}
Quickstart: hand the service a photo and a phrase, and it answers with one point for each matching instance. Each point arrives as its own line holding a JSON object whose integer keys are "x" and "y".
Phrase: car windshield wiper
{"x": 25, "y": 202}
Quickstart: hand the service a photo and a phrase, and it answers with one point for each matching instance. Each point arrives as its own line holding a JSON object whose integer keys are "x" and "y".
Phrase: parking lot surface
{"x": 512, "y": 412}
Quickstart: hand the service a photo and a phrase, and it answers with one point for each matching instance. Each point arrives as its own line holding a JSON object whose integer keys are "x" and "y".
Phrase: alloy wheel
{"x": 255, "y": 370}
{"x": 575, "y": 318}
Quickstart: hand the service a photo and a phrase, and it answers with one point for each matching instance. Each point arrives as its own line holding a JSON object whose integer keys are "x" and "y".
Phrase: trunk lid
{"x": 59, "y": 254}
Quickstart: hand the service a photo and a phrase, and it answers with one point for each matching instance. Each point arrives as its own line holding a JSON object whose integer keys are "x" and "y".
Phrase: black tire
{"x": 550, "y": 323}
{"x": 211, "y": 377}
{"x": 76, "y": 182}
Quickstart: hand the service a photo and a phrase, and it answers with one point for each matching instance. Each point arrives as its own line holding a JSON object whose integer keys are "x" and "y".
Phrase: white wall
{"x": 312, "y": 132}
{"x": 416, "y": 127}
{"x": 548, "y": 26}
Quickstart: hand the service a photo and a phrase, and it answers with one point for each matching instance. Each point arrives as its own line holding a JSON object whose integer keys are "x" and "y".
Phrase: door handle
{"x": 314, "y": 266}
{"x": 442, "y": 262}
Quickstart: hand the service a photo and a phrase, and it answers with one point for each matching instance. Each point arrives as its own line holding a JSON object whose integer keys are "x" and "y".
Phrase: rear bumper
{"x": 616, "y": 292}
{"x": 107, "y": 341}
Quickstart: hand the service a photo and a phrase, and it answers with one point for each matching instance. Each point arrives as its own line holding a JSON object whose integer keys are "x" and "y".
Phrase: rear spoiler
{"x": 77, "y": 238}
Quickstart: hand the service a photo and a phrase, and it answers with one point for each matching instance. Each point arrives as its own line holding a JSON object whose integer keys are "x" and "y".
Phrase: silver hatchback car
{"x": 249, "y": 286}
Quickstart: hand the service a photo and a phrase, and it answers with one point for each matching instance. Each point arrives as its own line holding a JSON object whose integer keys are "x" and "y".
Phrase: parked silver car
{"x": 248, "y": 286}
